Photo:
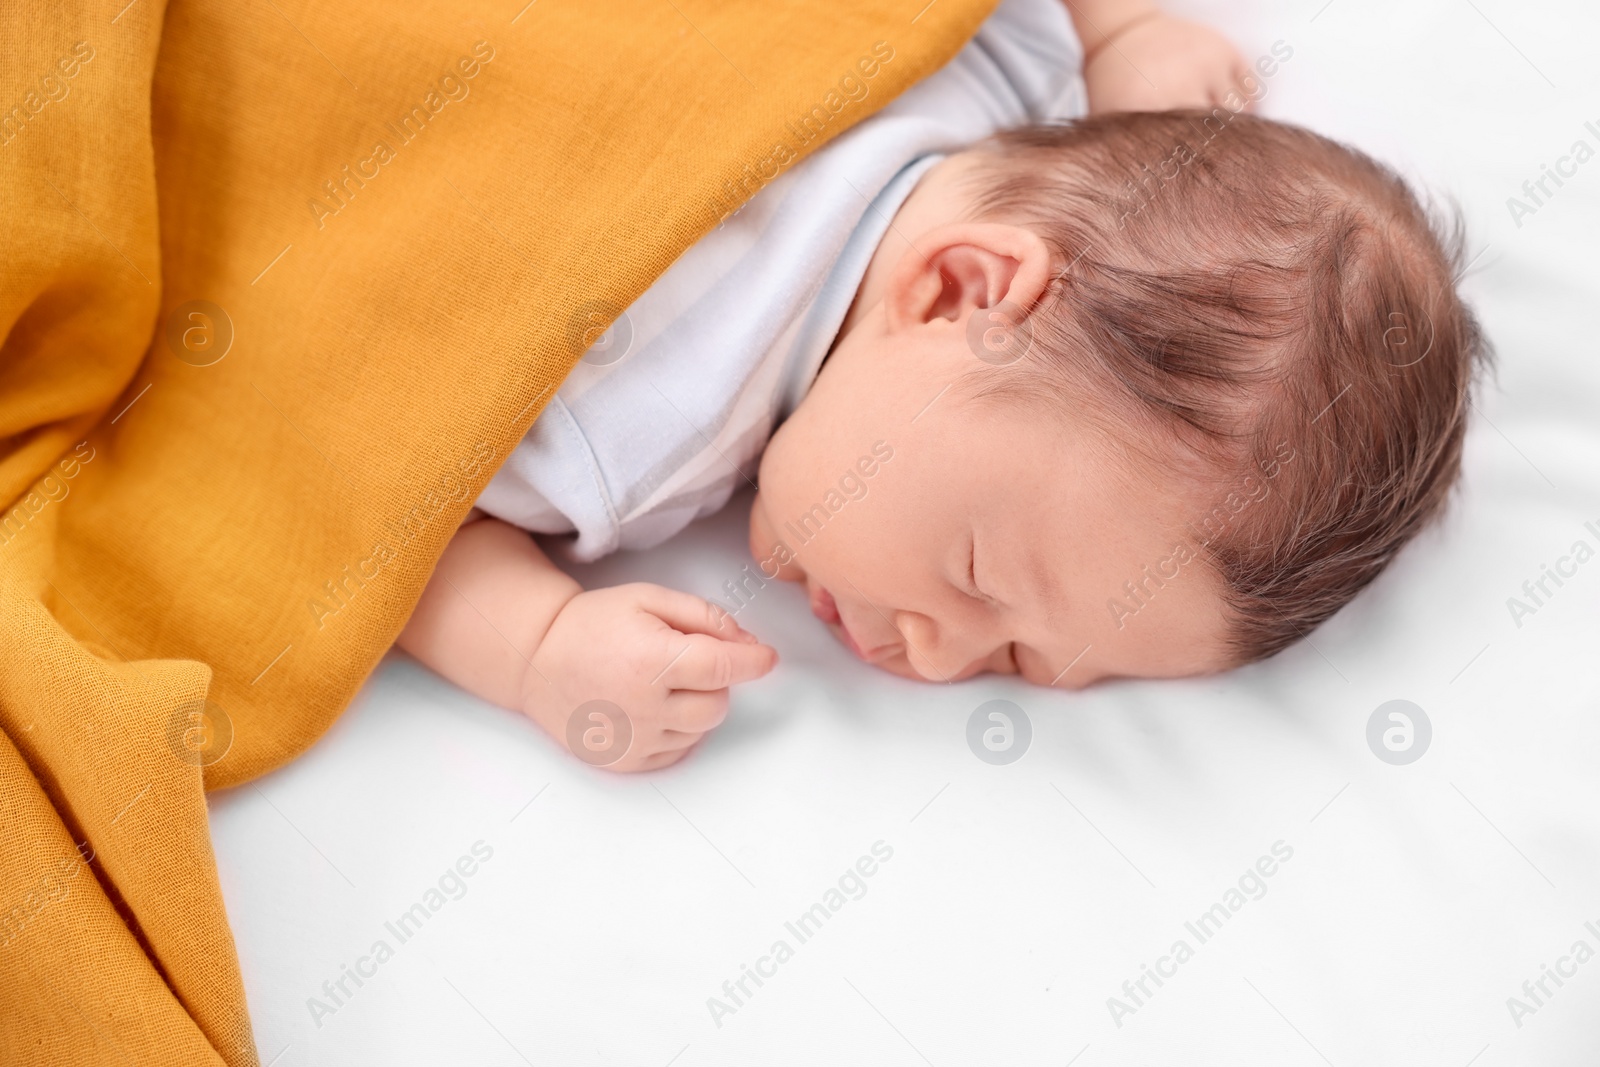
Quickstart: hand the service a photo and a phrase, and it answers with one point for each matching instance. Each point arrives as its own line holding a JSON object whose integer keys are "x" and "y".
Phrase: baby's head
{"x": 1149, "y": 395}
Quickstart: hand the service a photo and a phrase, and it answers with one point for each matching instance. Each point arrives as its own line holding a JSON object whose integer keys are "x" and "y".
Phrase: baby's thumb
{"x": 750, "y": 661}
{"x": 709, "y": 663}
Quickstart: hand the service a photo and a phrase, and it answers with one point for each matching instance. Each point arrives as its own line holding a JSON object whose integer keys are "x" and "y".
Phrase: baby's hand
{"x": 1161, "y": 62}
{"x": 664, "y": 658}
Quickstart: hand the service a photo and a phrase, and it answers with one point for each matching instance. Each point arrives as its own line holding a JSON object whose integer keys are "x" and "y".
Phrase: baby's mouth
{"x": 824, "y": 607}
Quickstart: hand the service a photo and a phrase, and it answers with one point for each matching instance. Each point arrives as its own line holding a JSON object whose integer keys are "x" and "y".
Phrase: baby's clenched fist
{"x": 631, "y": 677}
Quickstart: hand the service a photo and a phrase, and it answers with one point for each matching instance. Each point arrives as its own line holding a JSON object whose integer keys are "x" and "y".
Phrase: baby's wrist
{"x": 1098, "y": 21}
{"x": 533, "y": 687}
{"x": 1106, "y": 36}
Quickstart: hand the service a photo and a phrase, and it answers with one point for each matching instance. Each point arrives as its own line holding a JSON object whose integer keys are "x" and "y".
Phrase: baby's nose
{"x": 944, "y": 653}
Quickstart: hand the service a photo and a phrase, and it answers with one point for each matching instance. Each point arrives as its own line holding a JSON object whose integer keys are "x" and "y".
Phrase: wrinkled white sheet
{"x": 1017, "y": 899}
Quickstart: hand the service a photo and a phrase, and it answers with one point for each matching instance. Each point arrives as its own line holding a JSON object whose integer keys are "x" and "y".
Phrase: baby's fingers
{"x": 658, "y": 760}
{"x": 690, "y": 614}
{"x": 694, "y": 711}
{"x": 711, "y": 663}
{"x": 1242, "y": 85}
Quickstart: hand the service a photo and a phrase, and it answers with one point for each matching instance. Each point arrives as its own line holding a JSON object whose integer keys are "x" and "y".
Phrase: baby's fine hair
{"x": 1260, "y": 304}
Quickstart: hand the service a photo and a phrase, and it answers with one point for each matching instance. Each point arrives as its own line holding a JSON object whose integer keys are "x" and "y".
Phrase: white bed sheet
{"x": 1019, "y": 898}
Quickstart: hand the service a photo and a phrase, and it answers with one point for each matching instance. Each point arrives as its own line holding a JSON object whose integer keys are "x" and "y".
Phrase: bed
{"x": 1380, "y": 847}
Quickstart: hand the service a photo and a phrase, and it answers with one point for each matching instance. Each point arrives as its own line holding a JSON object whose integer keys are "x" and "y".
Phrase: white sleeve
{"x": 552, "y": 484}
{"x": 1034, "y": 43}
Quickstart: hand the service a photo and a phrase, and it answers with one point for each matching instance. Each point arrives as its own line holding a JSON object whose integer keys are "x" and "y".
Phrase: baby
{"x": 1139, "y": 395}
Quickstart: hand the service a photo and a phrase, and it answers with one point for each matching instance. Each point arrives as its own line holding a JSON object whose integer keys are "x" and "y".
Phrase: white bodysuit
{"x": 669, "y": 413}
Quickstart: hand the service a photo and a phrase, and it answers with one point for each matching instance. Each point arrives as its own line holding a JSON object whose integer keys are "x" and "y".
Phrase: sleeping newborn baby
{"x": 1131, "y": 395}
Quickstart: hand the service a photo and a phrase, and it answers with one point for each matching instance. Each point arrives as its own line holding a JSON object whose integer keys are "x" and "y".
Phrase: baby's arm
{"x": 507, "y": 625}
{"x": 1138, "y": 59}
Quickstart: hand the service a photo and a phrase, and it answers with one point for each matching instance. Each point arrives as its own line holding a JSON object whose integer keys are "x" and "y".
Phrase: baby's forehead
{"x": 1069, "y": 492}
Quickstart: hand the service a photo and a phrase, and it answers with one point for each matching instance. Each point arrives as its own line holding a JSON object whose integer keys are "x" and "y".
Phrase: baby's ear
{"x": 955, "y": 270}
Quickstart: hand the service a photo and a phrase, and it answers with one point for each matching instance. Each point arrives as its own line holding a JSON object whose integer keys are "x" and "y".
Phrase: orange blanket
{"x": 283, "y": 284}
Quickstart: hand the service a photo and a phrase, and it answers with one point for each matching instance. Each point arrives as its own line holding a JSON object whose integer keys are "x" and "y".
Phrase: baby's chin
{"x": 763, "y": 545}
